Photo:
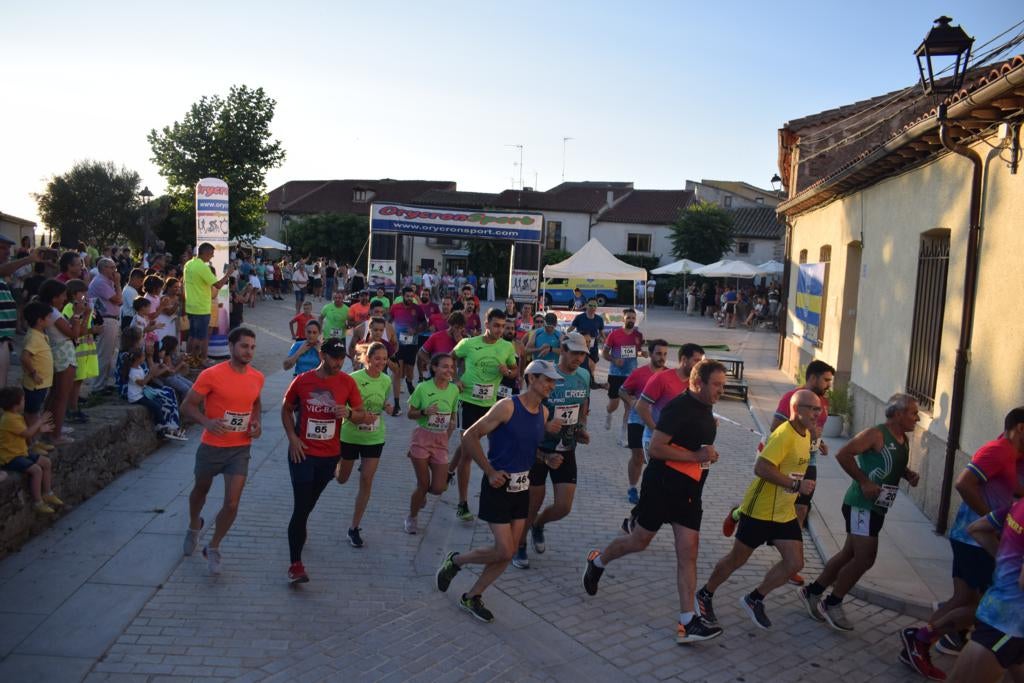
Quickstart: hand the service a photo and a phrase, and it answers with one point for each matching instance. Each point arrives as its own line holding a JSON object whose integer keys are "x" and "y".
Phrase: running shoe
{"x": 950, "y": 644}
{"x": 354, "y": 538}
{"x": 755, "y": 610}
{"x": 835, "y": 615}
{"x": 729, "y": 525}
{"x": 213, "y": 559}
{"x": 537, "y": 537}
{"x": 695, "y": 631}
{"x": 521, "y": 560}
{"x": 409, "y": 386}
{"x": 52, "y": 499}
{"x": 796, "y": 580}
{"x": 410, "y": 525}
{"x": 192, "y": 539}
{"x": 397, "y": 410}
{"x": 451, "y": 477}
{"x": 810, "y": 603}
{"x": 41, "y": 508}
{"x": 475, "y": 606}
{"x": 176, "y": 434}
{"x": 633, "y": 496}
{"x": 447, "y": 571}
{"x": 297, "y": 573}
{"x": 463, "y": 513}
{"x": 592, "y": 573}
{"x": 702, "y": 606}
{"x": 626, "y": 526}
{"x": 915, "y": 655}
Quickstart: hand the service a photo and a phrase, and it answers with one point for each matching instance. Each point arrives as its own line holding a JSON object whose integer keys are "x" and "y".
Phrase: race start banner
{"x": 457, "y": 223}
{"x": 810, "y": 287}
{"x": 212, "y": 227}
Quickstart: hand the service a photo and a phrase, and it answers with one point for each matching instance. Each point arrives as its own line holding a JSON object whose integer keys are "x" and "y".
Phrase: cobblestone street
{"x": 374, "y": 614}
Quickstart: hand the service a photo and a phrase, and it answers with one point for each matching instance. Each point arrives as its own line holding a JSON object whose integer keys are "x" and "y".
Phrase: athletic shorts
{"x": 634, "y": 435}
{"x": 563, "y": 474}
{"x": 226, "y": 460}
{"x": 34, "y": 400}
{"x": 595, "y": 355}
{"x": 1009, "y": 651}
{"x": 471, "y": 412}
{"x": 972, "y": 565}
{"x": 313, "y": 470}
{"x": 498, "y": 506}
{"x": 429, "y": 446}
{"x": 669, "y": 497}
{"x": 406, "y": 353}
{"x": 198, "y": 325}
{"x": 21, "y": 463}
{"x": 615, "y": 383}
{"x": 861, "y": 522}
{"x": 753, "y": 532}
{"x": 810, "y": 475}
{"x": 354, "y": 451}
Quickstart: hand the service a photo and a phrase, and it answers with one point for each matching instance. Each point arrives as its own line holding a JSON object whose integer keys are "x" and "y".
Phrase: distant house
{"x": 732, "y": 194}
{"x": 641, "y": 223}
{"x": 881, "y": 208}
{"x": 14, "y": 228}
{"x": 757, "y": 235}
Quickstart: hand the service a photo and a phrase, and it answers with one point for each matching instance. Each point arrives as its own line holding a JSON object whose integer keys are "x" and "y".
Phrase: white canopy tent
{"x": 727, "y": 268}
{"x": 263, "y": 242}
{"x": 681, "y": 267}
{"x": 595, "y": 262}
{"x": 770, "y": 268}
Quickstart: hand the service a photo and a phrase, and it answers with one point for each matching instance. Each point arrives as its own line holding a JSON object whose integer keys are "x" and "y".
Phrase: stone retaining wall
{"x": 118, "y": 437}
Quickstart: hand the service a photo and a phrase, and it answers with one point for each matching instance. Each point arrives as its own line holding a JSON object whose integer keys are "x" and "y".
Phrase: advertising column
{"x": 212, "y": 227}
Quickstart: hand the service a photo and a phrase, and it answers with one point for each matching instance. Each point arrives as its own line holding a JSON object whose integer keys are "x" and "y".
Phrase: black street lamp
{"x": 146, "y": 194}
{"x": 776, "y": 182}
{"x": 953, "y": 46}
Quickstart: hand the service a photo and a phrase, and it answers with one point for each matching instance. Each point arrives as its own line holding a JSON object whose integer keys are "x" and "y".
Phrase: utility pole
{"x": 564, "y": 140}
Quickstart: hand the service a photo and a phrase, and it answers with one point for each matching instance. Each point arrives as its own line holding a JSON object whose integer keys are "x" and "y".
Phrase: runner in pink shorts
{"x": 433, "y": 405}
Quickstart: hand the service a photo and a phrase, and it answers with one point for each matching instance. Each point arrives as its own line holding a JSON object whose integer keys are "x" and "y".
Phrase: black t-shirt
{"x": 31, "y": 284}
{"x": 690, "y": 423}
{"x": 357, "y": 284}
{"x": 329, "y": 272}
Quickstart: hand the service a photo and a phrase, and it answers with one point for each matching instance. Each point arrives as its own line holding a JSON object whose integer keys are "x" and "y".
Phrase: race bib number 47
{"x": 569, "y": 415}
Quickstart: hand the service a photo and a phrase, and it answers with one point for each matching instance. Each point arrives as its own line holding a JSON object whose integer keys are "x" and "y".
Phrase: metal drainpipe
{"x": 966, "y": 321}
{"x": 782, "y": 316}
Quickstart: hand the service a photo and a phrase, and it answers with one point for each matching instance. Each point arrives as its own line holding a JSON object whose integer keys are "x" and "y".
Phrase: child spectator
{"x": 174, "y": 364}
{"x": 14, "y": 455}
{"x": 161, "y": 402}
{"x": 62, "y": 334}
{"x": 297, "y": 325}
{"x": 129, "y": 294}
{"x": 144, "y": 322}
{"x": 36, "y": 365}
{"x": 87, "y": 363}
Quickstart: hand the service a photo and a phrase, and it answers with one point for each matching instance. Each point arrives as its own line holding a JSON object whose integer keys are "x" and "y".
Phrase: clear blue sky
{"x": 654, "y": 93}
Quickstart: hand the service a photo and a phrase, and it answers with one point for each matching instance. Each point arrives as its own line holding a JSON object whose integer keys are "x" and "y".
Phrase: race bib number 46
{"x": 518, "y": 482}
{"x": 235, "y": 422}
{"x": 320, "y": 430}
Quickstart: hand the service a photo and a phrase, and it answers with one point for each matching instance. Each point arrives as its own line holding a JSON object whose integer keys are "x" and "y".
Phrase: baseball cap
{"x": 333, "y": 347}
{"x": 574, "y": 341}
{"x": 6, "y": 240}
{"x": 543, "y": 367}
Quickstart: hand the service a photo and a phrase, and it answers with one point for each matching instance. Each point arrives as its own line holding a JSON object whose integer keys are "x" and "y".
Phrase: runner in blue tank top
{"x": 516, "y": 427}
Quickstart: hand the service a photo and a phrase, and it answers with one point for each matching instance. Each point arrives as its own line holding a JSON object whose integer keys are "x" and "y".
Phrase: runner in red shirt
{"x": 314, "y": 406}
{"x": 230, "y": 392}
{"x": 442, "y": 341}
{"x": 630, "y": 394}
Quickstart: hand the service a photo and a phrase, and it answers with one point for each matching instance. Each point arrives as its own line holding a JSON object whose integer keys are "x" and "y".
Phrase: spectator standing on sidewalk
{"x": 105, "y": 291}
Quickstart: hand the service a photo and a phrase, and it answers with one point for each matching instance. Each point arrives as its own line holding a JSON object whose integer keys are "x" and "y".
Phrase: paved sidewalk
{"x": 106, "y": 596}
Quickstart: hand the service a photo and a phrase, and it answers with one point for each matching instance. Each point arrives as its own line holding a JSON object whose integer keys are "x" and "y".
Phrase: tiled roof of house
{"x": 338, "y": 196}
{"x": 757, "y": 222}
{"x": 457, "y": 199}
{"x": 653, "y": 207}
{"x": 873, "y": 155}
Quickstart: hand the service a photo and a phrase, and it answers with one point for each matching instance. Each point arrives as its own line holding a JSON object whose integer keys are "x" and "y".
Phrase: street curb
{"x": 875, "y": 596}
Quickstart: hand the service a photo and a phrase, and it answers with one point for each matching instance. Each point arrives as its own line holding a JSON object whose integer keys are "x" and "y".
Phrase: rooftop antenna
{"x": 564, "y": 140}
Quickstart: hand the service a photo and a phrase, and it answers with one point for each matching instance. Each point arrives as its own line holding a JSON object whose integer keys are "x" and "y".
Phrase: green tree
{"x": 334, "y": 235}
{"x": 227, "y": 138}
{"x": 554, "y": 256}
{"x": 702, "y": 233}
{"x": 95, "y": 202}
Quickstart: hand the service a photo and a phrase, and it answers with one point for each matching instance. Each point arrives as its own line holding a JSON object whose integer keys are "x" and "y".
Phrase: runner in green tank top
{"x": 876, "y": 459}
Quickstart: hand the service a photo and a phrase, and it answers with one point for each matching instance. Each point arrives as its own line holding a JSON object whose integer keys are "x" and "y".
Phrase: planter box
{"x": 834, "y": 426}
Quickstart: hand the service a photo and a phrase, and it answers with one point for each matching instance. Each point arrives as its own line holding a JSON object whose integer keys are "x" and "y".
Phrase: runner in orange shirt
{"x": 230, "y": 392}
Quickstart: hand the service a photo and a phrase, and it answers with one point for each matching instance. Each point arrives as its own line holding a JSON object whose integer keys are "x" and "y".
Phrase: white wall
{"x": 574, "y": 228}
{"x": 614, "y": 237}
{"x": 760, "y": 251}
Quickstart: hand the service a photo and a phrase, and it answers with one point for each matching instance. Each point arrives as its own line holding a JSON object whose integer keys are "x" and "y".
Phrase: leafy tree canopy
{"x": 95, "y": 202}
{"x": 702, "y": 233}
{"x": 227, "y": 138}
{"x": 551, "y": 256}
{"x": 333, "y": 235}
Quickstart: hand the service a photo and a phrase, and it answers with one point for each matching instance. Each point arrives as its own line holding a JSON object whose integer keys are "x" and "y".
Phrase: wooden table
{"x": 733, "y": 363}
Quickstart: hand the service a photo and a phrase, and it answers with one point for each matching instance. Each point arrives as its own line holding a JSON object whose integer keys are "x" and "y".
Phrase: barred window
{"x": 553, "y": 238}
{"x": 929, "y": 307}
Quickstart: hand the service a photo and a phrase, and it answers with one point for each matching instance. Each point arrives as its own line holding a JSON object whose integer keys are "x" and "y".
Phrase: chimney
{"x": 610, "y": 197}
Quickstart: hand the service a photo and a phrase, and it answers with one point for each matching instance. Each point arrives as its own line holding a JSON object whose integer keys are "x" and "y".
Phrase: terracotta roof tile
{"x": 457, "y": 199}
{"x": 757, "y": 222}
{"x": 337, "y": 196}
{"x": 653, "y": 207}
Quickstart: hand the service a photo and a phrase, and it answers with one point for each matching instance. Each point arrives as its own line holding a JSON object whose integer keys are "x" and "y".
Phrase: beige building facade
{"x": 893, "y": 227}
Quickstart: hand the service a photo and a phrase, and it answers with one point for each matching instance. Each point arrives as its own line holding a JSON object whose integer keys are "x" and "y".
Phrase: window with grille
{"x": 824, "y": 256}
{"x": 554, "y": 236}
{"x": 929, "y": 306}
{"x": 637, "y": 243}
{"x": 743, "y": 248}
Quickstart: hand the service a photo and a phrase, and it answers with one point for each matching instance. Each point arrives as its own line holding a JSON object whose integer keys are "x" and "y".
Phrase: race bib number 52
{"x": 236, "y": 422}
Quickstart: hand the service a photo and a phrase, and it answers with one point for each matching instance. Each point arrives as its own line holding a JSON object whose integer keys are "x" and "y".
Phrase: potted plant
{"x": 840, "y": 410}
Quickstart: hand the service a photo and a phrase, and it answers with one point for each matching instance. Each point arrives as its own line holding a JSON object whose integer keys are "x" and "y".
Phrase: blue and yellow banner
{"x": 810, "y": 287}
